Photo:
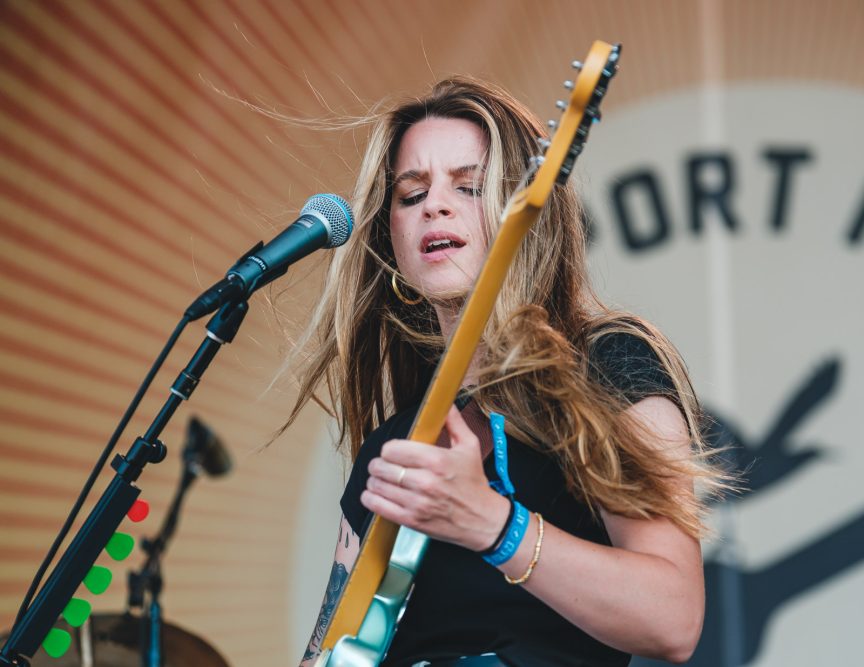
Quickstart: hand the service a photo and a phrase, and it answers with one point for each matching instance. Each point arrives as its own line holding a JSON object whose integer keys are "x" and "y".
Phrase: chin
{"x": 446, "y": 285}
{"x": 447, "y": 293}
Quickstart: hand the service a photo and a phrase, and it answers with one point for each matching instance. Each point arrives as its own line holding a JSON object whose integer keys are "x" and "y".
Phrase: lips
{"x": 434, "y": 243}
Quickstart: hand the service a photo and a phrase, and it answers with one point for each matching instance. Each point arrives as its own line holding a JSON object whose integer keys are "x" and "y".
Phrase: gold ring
{"x": 401, "y": 476}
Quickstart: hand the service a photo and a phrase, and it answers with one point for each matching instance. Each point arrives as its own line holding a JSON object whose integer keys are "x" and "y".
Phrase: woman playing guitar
{"x": 585, "y": 547}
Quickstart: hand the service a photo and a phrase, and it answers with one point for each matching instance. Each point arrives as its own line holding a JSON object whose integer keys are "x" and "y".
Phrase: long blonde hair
{"x": 376, "y": 355}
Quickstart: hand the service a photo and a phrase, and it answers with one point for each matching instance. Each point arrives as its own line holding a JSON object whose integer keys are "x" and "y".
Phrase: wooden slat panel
{"x": 131, "y": 176}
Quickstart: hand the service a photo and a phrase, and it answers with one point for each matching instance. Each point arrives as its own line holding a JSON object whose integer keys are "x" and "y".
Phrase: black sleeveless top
{"x": 461, "y": 605}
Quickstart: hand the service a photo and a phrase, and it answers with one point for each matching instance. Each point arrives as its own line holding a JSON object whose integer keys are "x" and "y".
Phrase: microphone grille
{"x": 337, "y": 213}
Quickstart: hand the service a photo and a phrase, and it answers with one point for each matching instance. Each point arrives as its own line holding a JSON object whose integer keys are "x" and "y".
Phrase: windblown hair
{"x": 376, "y": 355}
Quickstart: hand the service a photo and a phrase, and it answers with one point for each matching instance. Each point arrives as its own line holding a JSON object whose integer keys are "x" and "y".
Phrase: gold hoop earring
{"x": 400, "y": 296}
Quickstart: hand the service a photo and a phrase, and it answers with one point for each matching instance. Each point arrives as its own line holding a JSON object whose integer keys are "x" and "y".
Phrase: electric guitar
{"x": 364, "y": 622}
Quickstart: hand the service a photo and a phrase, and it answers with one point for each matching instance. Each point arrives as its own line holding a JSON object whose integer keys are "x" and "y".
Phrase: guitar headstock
{"x": 570, "y": 131}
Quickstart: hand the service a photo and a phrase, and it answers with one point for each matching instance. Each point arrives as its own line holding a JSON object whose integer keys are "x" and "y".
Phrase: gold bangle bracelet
{"x": 533, "y": 563}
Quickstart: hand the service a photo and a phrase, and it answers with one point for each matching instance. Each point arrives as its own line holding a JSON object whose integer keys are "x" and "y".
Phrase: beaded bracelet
{"x": 535, "y": 559}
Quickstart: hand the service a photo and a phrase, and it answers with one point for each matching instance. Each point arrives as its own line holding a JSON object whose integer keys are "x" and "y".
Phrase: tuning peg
{"x": 561, "y": 104}
{"x": 552, "y": 124}
{"x": 543, "y": 143}
{"x": 576, "y": 65}
{"x": 537, "y": 160}
{"x": 569, "y": 85}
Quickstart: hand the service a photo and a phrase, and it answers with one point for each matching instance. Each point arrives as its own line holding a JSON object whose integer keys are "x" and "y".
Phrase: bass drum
{"x": 114, "y": 640}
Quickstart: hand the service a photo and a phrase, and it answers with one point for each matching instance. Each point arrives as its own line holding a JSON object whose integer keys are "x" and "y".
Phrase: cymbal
{"x": 113, "y": 640}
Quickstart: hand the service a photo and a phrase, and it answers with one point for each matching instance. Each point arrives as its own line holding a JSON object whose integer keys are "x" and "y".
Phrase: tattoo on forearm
{"x": 348, "y": 534}
{"x": 338, "y": 577}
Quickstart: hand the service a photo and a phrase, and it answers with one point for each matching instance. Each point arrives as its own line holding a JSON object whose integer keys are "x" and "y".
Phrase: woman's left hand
{"x": 441, "y": 492}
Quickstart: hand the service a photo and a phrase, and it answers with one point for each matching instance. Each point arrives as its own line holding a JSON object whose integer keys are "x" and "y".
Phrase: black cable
{"x": 100, "y": 464}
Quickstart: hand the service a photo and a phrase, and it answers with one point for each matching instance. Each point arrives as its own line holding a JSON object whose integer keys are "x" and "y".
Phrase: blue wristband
{"x": 502, "y": 485}
{"x": 515, "y": 534}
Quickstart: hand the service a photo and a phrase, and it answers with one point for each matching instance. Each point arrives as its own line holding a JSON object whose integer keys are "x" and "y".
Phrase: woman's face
{"x": 436, "y": 214}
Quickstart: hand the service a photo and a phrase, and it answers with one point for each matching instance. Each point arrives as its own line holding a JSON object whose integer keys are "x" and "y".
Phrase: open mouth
{"x": 441, "y": 244}
{"x": 440, "y": 241}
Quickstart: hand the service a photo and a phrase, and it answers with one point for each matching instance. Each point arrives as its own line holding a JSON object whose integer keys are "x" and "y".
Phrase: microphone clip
{"x": 228, "y": 289}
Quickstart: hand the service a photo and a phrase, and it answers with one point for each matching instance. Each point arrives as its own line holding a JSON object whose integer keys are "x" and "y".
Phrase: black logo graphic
{"x": 741, "y": 601}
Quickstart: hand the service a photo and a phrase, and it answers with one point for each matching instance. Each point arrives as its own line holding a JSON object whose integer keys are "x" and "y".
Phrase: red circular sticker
{"x": 139, "y": 511}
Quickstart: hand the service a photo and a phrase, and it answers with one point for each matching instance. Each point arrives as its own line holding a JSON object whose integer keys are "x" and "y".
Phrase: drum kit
{"x": 115, "y": 640}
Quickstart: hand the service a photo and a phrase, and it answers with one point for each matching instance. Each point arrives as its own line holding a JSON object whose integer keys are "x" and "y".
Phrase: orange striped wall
{"x": 131, "y": 177}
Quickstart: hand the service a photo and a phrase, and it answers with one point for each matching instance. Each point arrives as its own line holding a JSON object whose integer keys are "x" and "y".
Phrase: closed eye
{"x": 411, "y": 200}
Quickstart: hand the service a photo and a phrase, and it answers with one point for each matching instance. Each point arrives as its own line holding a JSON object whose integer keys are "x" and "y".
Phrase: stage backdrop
{"x": 726, "y": 190}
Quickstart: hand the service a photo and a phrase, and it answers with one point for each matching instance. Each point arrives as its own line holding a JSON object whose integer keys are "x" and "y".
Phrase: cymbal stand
{"x": 147, "y": 582}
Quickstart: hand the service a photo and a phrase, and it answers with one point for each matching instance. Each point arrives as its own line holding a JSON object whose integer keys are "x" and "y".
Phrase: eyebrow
{"x": 414, "y": 174}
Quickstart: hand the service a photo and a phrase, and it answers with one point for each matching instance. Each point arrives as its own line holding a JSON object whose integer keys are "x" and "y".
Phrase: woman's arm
{"x": 643, "y": 595}
{"x": 347, "y": 549}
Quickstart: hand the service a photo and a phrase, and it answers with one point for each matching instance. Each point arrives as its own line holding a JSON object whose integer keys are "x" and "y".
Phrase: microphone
{"x": 205, "y": 450}
{"x": 325, "y": 222}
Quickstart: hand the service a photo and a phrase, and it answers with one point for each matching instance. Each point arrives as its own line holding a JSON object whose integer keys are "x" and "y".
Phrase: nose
{"x": 437, "y": 203}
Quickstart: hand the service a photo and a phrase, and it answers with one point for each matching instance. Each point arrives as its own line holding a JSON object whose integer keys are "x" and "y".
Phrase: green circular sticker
{"x": 98, "y": 579}
{"x": 120, "y": 546}
{"x": 76, "y": 612}
{"x": 56, "y": 642}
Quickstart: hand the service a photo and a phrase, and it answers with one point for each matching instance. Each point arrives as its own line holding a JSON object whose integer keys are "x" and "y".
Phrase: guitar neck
{"x": 475, "y": 314}
{"x": 362, "y": 591}
{"x": 372, "y": 562}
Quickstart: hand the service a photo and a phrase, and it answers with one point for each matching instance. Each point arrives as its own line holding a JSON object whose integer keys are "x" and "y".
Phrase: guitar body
{"x": 381, "y": 581}
{"x": 369, "y": 646}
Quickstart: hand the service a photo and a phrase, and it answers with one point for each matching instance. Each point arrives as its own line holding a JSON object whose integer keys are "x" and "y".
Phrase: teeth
{"x": 442, "y": 243}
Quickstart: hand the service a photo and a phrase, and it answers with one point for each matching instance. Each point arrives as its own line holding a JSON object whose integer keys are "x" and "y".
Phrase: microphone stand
{"x": 117, "y": 499}
{"x": 148, "y": 580}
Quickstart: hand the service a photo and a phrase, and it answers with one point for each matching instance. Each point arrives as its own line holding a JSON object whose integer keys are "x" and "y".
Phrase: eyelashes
{"x": 414, "y": 199}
